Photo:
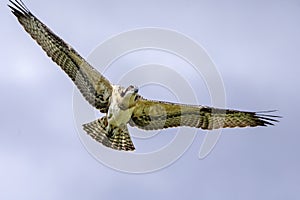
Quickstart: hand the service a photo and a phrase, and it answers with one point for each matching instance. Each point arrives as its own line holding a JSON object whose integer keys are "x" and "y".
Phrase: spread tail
{"x": 118, "y": 138}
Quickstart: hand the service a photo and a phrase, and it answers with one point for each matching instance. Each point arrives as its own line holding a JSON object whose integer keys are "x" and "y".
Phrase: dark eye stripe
{"x": 122, "y": 94}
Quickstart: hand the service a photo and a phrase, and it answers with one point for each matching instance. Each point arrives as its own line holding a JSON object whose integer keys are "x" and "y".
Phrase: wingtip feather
{"x": 266, "y": 119}
{"x": 18, "y": 8}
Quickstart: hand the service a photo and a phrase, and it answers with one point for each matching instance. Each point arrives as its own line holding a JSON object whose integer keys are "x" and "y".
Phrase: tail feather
{"x": 118, "y": 139}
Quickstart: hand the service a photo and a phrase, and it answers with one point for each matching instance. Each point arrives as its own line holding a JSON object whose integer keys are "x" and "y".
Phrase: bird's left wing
{"x": 153, "y": 115}
{"x": 94, "y": 87}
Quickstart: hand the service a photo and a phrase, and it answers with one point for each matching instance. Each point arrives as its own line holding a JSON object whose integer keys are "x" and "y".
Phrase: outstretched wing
{"x": 94, "y": 87}
{"x": 152, "y": 115}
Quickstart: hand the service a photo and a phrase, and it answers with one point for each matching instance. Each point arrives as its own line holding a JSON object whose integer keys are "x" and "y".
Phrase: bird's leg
{"x": 109, "y": 130}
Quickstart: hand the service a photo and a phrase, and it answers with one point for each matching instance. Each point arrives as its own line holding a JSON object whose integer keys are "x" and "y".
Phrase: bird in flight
{"x": 124, "y": 106}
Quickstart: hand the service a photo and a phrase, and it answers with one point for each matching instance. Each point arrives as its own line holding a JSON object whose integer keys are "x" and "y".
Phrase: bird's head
{"x": 127, "y": 97}
{"x": 129, "y": 91}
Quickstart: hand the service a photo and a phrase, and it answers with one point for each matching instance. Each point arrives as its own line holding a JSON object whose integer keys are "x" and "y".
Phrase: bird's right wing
{"x": 94, "y": 87}
{"x": 153, "y": 115}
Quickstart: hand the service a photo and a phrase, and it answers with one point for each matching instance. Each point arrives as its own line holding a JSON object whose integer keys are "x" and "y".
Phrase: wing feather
{"x": 94, "y": 87}
{"x": 153, "y": 115}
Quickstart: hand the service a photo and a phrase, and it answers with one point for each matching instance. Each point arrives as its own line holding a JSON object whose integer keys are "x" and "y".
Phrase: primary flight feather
{"x": 123, "y": 106}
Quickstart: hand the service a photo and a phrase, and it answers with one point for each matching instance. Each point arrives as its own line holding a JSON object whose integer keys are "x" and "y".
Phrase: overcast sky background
{"x": 255, "y": 46}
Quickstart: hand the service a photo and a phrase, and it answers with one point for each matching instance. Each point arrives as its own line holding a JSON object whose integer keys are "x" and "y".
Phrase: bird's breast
{"x": 118, "y": 116}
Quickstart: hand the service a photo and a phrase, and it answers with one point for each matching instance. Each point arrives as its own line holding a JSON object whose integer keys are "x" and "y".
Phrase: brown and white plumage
{"x": 153, "y": 115}
{"x": 123, "y": 105}
{"x": 94, "y": 87}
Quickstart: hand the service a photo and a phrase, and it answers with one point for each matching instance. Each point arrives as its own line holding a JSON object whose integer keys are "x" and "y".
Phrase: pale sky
{"x": 255, "y": 46}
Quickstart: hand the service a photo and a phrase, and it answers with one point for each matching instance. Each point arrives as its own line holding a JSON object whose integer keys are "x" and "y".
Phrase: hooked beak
{"x": 136, "y": 90}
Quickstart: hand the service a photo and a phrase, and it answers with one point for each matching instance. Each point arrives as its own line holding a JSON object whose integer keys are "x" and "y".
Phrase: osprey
{"x": 123, "y": 106}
